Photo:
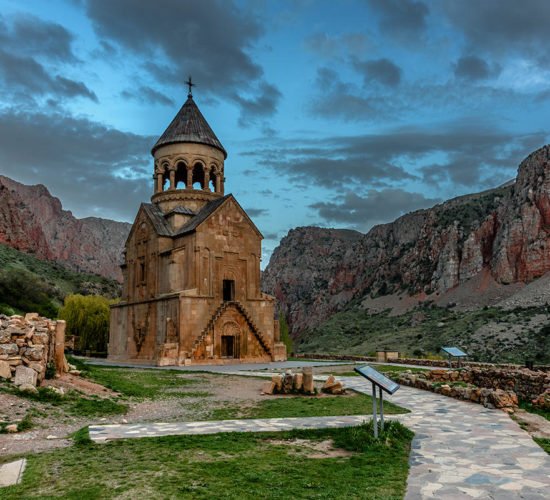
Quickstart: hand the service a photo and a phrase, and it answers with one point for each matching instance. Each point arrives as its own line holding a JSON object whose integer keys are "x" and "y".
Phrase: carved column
{"x": 172, "y": 177}
{"x": 189, "y": 177}
{"x": 206, "y": 178}
{"x": 159, "y": 182}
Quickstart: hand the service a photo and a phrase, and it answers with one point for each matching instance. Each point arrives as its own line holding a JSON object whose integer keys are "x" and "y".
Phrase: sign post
{"x": 384, "y": 384}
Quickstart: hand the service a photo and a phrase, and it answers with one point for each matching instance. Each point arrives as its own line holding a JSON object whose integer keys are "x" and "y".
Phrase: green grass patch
{"x": 528, "y": 406}
{"x": 241, "y": 466}
{"x": 544, "y": 444}
{"x": 307, "y": 406}
{"x": 140, "y": 383}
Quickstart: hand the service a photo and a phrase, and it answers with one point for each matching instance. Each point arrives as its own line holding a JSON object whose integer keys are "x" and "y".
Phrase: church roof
{"x": 189, "y": 125}
{"x": 163, "y": 228}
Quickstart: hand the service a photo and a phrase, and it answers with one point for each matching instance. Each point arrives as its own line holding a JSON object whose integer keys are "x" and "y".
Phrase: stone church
{"x": 192, "y": 263}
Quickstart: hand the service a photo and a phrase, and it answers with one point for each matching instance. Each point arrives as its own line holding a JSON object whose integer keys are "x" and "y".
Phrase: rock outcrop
{"x": 33, "y": 221}
{"x": 501, "y": 233}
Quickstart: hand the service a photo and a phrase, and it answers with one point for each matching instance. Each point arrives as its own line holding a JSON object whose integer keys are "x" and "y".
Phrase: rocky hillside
{"x": 33, "y": 221}
{"x": 499, "y": 237}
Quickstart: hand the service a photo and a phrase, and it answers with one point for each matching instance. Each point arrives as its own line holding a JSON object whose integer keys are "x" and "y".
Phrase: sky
{"x": 339, "y": 114}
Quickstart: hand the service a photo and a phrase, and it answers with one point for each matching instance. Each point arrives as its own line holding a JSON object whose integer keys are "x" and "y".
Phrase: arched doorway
{"x": 230, "y": 340}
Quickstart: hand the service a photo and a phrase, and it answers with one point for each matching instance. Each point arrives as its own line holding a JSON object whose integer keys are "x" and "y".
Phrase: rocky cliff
{"x": 502, "y": 234}
{"x": 33, "y": 221}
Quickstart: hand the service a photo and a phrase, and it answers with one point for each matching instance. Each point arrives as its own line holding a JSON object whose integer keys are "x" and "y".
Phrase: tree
{"x": 286, "y": 339}
{"x": 87, "y": 317}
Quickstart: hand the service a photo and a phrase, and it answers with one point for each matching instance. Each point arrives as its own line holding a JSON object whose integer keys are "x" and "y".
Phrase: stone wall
{"x": 28, "y": 346}
{"x": 441, "y": 363}
{"x": 494, "y": 387}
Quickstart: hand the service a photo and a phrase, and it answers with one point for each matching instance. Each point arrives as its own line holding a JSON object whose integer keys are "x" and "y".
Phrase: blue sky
{"x": 338, "y": 114}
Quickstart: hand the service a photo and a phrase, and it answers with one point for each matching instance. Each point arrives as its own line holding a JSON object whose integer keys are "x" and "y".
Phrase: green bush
{"x": 88, "y": 318}
{"x": 23, "y": 291}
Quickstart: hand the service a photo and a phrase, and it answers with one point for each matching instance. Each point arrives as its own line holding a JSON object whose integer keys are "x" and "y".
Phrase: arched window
{"x": 198, "y": 176}
{"x": 212, "y": 183}
{"x": 181, "y": 175}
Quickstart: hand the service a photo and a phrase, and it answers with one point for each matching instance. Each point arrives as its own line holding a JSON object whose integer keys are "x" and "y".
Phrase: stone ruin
{"x": 491, "y": 387}
{"x": 301, "y": 383}
{"x": 29, "y": 347}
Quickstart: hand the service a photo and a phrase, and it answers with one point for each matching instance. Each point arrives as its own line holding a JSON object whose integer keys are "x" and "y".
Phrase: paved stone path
{"x": 12, "y": 472}
{"x": 461, "y": 450}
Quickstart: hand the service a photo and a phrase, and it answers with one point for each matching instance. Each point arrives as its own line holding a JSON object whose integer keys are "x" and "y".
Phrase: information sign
{"x": 377, "y": 378}
{"x": 454, "y": 351}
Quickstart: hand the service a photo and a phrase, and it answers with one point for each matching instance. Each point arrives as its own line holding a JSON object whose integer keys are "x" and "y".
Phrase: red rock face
{"x": 33, "y": 221}
{"x": 503, "y": 232}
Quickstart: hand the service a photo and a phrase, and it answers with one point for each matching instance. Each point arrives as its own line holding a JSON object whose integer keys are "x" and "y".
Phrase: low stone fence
{"x": 29, "y": 347}
{"x": 441, "y": 363}
{"x": 499, "y": 388}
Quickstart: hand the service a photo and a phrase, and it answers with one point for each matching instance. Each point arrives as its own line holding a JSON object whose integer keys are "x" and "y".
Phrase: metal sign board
{"x": 454, "y": 351}
{"x": 377, "y": 378}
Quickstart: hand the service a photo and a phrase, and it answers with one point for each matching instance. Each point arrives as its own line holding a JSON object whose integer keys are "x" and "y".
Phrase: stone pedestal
{"x": 24, "y": 375}
{"x": 308, "y": 386}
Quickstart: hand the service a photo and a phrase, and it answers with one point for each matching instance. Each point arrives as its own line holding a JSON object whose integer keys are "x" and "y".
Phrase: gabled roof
{"x": 189, "y": 125}
{"x": 163, "y": 228}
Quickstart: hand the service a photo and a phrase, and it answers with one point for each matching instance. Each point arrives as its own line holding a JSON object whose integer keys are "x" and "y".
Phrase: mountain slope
{"x": 500, "y": 236}
{"x": 33, "y": 221}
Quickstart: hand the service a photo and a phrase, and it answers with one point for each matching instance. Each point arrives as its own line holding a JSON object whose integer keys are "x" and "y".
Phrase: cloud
{"x": 94, "y": 169}
{"x": 32, "y": 56}
{"x": 209, "y": 39}
{"x": 256, "y": 212}
{"x": 147, "y": 95}
{"x": 403, "y": 18}
{"x": 382, "y": 71}
{"x": 377, "y": 206}
{"x": 474, "y": 68}
{"x": 327, "y": 45}
{"x": 31, "y": 36}
{"x": 503, "y": 27}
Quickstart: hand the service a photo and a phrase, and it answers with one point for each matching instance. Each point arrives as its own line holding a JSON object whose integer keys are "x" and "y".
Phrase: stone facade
{"x": 192, "y": 263}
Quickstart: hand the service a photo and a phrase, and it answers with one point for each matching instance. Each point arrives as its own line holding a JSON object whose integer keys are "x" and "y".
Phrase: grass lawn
{"x": 544, "y": 444}
{"x": 226, "y": 466}
{"x": 140, "y": 383}
{"x": 527, "y": 406}
{"x": 306, "y": 406}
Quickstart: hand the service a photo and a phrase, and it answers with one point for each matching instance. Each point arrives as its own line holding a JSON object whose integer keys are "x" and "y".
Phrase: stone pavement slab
{"x": 12, "y": 472}
{"x": 102, "y": 433}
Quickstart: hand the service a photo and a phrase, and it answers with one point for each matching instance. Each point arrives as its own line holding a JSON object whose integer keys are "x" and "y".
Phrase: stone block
{"x": 308, "y": 386}
{"x": 31, "y": 316}
{"x": 5, "y": 337}
{"x": 278, "y": 381}
{"x": 268, "y": 388}
{"x": 9, "y": 349}
{"x": 298, "y": 381}
{"x": 14, "y": 360}
{"x": 28, "y": 388}
{"x": 34, "y": 353}
{"x": 25, "y": 376}
{"x": 5, "y": 370}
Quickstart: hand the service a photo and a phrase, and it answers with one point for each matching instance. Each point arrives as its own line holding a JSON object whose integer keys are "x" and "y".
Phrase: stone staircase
{"x": 209, "y": 328}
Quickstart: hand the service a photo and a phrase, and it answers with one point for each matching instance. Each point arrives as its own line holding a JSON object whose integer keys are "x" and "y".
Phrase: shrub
{"x": 88, "y": 318}
{"x": 286, "y": 339}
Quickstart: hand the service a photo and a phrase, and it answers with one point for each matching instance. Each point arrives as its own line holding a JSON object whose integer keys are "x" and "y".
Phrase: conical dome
{"x": 189, "y": 125}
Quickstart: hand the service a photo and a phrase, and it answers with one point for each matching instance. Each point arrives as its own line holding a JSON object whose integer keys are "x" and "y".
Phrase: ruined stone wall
{"x": 28, "y": 346}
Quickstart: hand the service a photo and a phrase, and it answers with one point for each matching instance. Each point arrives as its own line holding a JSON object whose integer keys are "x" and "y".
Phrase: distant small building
{"x": 192, "y": 263}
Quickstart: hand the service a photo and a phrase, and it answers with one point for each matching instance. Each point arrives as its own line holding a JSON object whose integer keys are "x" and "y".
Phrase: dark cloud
{"x": 209, "y": 39}
{"x": 327, "y": 46}
{"x": 32, "y": 54}
{"x": 31, "y": 36}
{"x": 402, "y": 18}
{"x": 257, "y": 212}
{"x": 363, "y": 212}
{"x": 470, "y": 155}
{"x": 25, "y": 75}
{"x": 382, "y": 71}
{"x": 272, "y": 236}
{"x": 503, "y": 26}
{"x": 474, "y": 68}
{"x": 147, "y": 95}
{"x": 91, "y": 167}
